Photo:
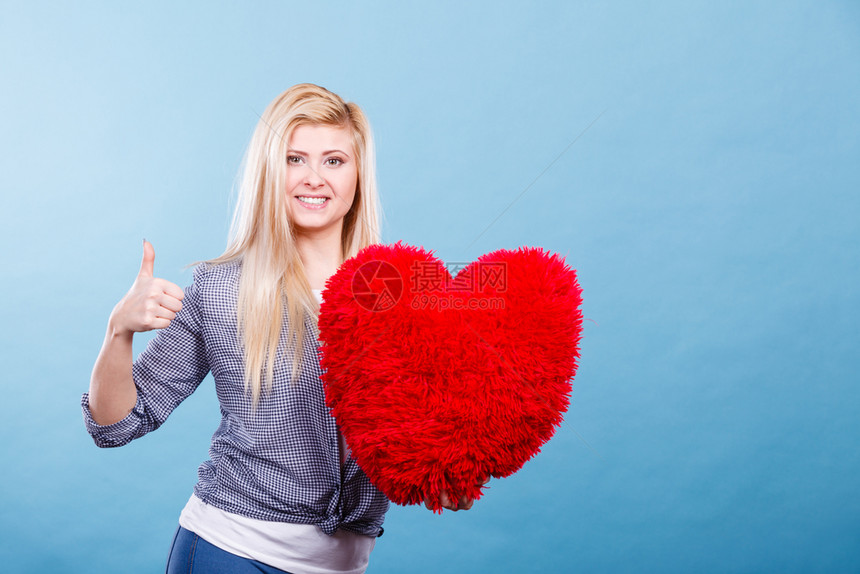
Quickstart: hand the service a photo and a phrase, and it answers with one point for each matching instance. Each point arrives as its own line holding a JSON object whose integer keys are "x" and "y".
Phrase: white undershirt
{"x": 297, "y": 548}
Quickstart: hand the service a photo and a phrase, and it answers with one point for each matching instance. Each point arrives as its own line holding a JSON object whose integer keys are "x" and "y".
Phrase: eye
{"x": 294, "y": 160}
{"x": 333, "y": 161}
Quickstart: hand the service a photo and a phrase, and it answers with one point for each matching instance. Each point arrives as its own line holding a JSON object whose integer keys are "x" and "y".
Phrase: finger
{"x": 445, "y": 501}
{"x": 165, "y": 294}
{"x": 466, "y": 503}
{"x": 156, "y": 323}
{"x": 148, "y": 264}
{"x": 165, "y": 313}
{"x": 170, "y": 302}
{"x": 172, "y": 289}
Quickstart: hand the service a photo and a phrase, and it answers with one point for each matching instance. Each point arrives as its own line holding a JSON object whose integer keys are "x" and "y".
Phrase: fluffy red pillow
{"x": 438, "y": 383}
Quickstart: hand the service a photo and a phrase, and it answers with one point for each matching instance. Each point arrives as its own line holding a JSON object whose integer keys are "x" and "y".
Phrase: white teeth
{"x": 314, "y": 200}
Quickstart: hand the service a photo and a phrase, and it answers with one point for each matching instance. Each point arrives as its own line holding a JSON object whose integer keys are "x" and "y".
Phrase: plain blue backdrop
{"x": 697, "y": 162}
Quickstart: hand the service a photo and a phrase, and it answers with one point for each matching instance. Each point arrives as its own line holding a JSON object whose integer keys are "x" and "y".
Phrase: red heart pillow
{"x": 438, "y": 383}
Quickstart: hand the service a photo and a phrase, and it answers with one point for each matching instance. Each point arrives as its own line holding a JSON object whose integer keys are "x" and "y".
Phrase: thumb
{"x": 146, "y": 266}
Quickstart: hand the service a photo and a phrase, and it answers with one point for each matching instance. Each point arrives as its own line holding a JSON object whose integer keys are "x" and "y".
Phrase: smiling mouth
{"x": 312, "y": 200}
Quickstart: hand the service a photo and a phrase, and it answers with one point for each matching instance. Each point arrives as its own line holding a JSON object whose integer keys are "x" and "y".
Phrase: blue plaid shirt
{"x": 281, "y": 463}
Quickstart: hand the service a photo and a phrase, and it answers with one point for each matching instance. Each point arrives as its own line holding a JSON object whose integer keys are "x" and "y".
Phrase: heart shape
{"x": 438, "y": 383}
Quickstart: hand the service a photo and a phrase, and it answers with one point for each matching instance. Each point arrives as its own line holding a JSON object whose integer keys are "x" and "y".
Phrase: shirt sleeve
{"x": 171, "y": 367}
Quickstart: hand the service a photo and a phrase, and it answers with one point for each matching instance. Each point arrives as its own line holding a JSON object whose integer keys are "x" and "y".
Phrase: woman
{"x": 280, "y": 492}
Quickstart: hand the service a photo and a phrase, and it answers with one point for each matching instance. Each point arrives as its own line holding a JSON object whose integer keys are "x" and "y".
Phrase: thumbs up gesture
{"x": 151, "y": 303}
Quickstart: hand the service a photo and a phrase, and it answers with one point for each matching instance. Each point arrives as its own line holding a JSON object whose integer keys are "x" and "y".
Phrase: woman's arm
{"x": 151, "y": 303}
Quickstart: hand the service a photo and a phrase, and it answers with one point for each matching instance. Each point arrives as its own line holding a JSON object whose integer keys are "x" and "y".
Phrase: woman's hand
{"x": 151, "y": 303}
{"x": 465, "y": 503}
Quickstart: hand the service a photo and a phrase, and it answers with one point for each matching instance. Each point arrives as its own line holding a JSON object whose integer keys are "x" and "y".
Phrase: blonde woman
{"x": 280, "y": 492}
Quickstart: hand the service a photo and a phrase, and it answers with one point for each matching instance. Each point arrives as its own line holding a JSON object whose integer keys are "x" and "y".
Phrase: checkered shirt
{"x": 281, "y": 463}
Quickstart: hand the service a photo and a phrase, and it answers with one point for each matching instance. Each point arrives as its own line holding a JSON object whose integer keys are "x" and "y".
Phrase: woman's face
{"x": 322, "y": 176}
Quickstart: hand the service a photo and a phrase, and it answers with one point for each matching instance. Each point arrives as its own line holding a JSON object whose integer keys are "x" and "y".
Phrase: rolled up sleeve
{"x": 171, "y": 367}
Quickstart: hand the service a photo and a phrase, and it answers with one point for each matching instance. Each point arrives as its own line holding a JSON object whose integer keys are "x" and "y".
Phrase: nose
{"x": 313, "y": 179}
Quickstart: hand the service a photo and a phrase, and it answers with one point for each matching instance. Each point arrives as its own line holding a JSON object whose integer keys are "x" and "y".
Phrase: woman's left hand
{"x": 465, "y": 503}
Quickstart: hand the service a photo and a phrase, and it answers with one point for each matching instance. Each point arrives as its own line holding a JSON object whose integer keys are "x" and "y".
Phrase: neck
{"x": 321, "y": 255}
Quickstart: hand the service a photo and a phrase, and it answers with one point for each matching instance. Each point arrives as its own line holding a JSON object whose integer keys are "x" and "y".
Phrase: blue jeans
{"x": 190, "y": 554}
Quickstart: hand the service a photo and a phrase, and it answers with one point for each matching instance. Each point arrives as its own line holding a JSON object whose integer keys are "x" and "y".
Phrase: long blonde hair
{"x": 273, "y": 278}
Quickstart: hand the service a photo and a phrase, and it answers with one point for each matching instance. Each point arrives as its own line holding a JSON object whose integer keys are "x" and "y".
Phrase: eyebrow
{"x": 326, "y": 152}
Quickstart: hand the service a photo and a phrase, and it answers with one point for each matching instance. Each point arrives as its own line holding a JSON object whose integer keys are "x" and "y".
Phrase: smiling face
{"x": 322, "y": 176}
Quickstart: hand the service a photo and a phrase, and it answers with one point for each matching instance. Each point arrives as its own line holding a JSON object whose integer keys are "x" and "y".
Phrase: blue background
{"x": 697, "y": 162}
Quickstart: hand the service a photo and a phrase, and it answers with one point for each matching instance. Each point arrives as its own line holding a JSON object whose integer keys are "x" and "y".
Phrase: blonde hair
{"x": 261, "y": 237}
